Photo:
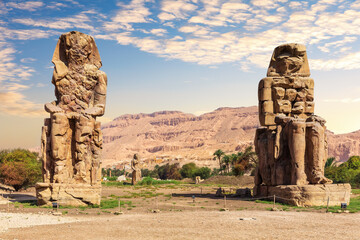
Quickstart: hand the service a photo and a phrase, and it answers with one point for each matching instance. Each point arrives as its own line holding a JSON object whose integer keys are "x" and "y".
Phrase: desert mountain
{"x": 182, "y": 136}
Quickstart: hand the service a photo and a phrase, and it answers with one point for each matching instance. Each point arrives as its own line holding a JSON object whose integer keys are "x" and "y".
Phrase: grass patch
{"x": 113, "y": 203}
{"x": 355, "y": 191}
{"x": 151, "y": 181}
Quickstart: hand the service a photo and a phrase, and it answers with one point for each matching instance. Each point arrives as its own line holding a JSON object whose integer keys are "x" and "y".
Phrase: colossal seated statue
{"x": 292, "y": 146}
{"x": 71, "y": 137}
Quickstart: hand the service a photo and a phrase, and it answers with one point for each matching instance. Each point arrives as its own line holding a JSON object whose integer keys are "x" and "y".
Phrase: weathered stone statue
{"x": 292, "y": 144}
{"x": 136, "y": 173}
{"x": 71, "y": 138}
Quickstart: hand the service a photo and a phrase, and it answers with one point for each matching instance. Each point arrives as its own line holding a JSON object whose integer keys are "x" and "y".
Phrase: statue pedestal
{"x": 68, "y": 194}
{"x": 307, "y": 195}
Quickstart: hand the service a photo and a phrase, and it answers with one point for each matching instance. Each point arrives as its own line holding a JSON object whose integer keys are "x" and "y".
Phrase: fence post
{"x": 274, "y": 201}
{"x": 327, "y": 205}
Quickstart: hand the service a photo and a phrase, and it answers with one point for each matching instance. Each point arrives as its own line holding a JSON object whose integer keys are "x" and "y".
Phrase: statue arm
{"x": 99, "y": 97}
{"x": 52, "y": 108}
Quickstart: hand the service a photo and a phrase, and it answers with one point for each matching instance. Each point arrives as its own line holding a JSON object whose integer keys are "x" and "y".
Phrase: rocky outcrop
{"x": 196, "y": 137}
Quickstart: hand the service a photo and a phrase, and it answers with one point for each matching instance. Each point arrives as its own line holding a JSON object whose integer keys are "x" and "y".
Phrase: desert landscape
{"x": 119, "y": 140}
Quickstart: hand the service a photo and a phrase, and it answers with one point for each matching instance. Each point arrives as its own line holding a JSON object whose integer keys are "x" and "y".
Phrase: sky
{"x": 188, "y": 55}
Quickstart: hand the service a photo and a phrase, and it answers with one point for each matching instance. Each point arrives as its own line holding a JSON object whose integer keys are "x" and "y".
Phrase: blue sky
{"x": 187, "y": 55}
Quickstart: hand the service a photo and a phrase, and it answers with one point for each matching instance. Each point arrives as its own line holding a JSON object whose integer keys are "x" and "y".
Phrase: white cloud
{"x": 8, "y": 69}
{"x": 24, "y": 34}
{"x": 177, "y": 8}
{"x": 134, "y": 12}
{"x": 11, "y": 74}
{"x": 29, "y": 6}
{"x": 27, "y": 60}
{"x": 14, "y": 103}
{"x": 78, "y": 21}
{"x": 158, "y": 32}
{"x": 347, "y": 62}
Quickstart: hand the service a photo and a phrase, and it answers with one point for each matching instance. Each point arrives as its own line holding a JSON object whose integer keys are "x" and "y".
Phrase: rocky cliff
{"x": 177, "y": 135}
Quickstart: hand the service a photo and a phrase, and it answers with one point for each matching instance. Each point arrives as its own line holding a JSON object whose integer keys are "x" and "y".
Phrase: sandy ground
{"x": 201, "y": 225}
{"x": 180, "y": 218}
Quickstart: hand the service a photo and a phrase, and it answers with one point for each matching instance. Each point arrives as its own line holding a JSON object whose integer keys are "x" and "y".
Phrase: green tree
{"x": 168, "y": 171}
{"x": 203, "y": 172}
{"x": 19, "y": 168}
{"x": 188, "y": 170}
{"x": 219, "y": 153}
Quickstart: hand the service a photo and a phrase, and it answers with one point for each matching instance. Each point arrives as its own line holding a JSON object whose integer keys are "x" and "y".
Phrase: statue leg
{"x": 60, "y": 146}
{"x": 96, "y": 146}
{"x": 316, "y": 153}
{"x": 83, "y": 136}
{"x": 297, "y": 145}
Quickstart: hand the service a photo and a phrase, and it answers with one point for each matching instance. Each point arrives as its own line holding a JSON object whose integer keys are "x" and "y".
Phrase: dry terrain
{"x": 185, "y": 137}
{"x": 180, "y": 216}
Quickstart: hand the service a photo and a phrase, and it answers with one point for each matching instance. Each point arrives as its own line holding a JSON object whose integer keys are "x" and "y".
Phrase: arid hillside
{"x": 185, "y": 137}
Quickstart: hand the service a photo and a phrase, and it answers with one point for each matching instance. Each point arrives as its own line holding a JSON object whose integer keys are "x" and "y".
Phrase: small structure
{"x": 136, "y": 174}
{"x": 292, "y": 143}
{"x": 71, "y": 140}
{"x": 198, "y": 180}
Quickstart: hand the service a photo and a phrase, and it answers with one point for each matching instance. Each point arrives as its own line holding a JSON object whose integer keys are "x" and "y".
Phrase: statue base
{"x": 68, "y": 194}
{"x": 307, "y": 195}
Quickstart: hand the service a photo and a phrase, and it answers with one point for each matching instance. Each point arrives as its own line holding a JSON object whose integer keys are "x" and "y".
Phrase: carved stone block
{"x": 266, "y": 82}
{"x": 298, "y": 107}
{"x": 268, "y": 107}
{"x": 278, "y": 93}
{"x": 309, "y": 94}
{"x": 282, "y": 106}
{"x": 309, "y": 107}
{"x": 264, "y": 94}
{"x": 267, "y": 119}
{"x": 290, "y": 94}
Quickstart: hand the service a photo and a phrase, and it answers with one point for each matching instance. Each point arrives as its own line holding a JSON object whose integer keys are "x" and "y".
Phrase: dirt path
{"x": 201, "y": 225}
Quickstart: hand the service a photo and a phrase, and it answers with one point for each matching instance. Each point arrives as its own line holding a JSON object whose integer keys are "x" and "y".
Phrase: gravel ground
{"x": 23, "y": 220}
{"x": 195, "y": 225}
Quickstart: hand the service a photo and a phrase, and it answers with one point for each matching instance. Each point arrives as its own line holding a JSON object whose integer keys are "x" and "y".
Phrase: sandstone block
{"x": 278, "y": 93}
{"x": 267, "y": 107}
{"x": 68, "y": 194}
{"x": 264, "y": 94}
{"x": 282, "y": 106}
{"x": 266, "y": 82}
{"x": 290, "y": 94}
{"x": 298, "y": 107}
{"x": 267, "y": 119}
{"x": 309, "y": 107}
{"x": 307, "y": 195}
{"x": 309, "y": 83}
{"x": 301, "y": 96}
{"x": 281, "y": 82}
{"x": 309, "y": 94}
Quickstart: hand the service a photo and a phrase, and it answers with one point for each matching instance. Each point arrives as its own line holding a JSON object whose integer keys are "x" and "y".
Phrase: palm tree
{"x": 226, "y": 160}
{"x": 247, "y": 158}
{"x": 219, "y": 153}
{"x": 330, "y": 162}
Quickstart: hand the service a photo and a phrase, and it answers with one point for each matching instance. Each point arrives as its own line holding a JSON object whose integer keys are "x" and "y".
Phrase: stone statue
{"x": 136, "y": 174}
{"x": 71, "y": 138}
{"x": 292, "y": 144}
